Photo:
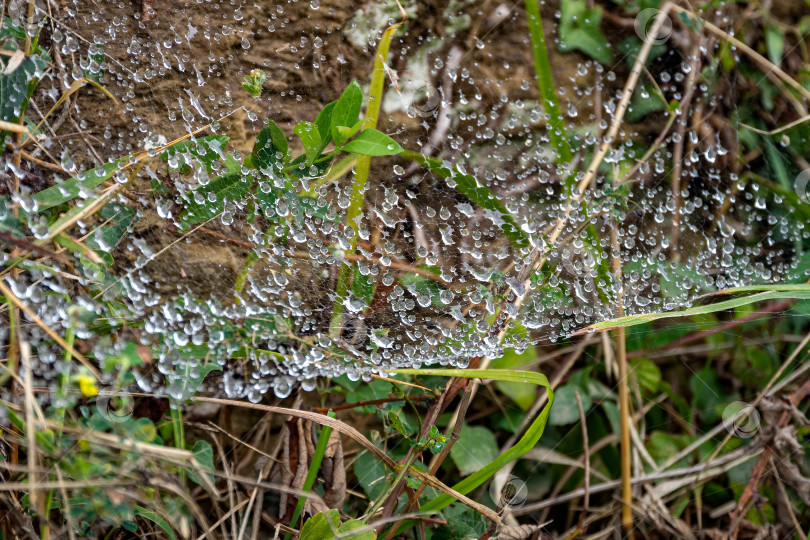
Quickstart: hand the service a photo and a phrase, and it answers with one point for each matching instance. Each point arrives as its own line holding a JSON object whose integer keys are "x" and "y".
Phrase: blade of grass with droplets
{"x": 800, "y": 292}
{"x": 545, "y": 83}
{"x": 526, "y": 443}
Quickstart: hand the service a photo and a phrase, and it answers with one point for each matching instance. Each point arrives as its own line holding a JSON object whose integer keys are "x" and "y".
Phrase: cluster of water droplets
{"x": 438, "y": 276}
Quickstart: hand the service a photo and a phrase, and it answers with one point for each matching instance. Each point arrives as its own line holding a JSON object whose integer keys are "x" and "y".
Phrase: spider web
{"x": 433, "y": 270}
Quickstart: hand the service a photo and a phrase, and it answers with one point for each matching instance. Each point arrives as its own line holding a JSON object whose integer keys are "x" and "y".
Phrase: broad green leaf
{"x": 371, "y": 142}
{"x": 70, "y": 189}
{"x": 324, "y": 122}
{"x": 522, "y": 394}
{"x": 152, "y": 516}
{"x": 16, "y": 87}
{"x": 327, "y": 527}
{"x": 579, "y": 30}
{"x": 463, "y": 523}
{"x": 479, "y": 194}
{"x": 370, "y": 473}
{"x": 363, "y": 287}
{"x": 645, "y": 100}
{"x": 565, "y": 410}
{"x": 310, "y": 138}
{"x": 774, "y": 292}
{"x": 354, "y": 529}
{"x": 191, "y": 377}
{"x": 646, "y": 373}
{"x": 346, "y": 111}
{"x": 347, "y": 133}
{"x": 270, "y": 142}
{"x": 474, "y": 449}
{"x": 230, "y": 187}
{"x": 117, "y": 218}
{"x": 321, "y": 526}
{"x": 663, "y": 445}
{"x": 204, "y": 455}
{"x": 775, "y": 43}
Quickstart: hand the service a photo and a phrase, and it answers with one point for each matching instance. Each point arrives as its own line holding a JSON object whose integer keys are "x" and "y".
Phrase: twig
{"x": 759, "y": 468}
{"x": 797, "y": 528}
{"x": 587, "y": 458}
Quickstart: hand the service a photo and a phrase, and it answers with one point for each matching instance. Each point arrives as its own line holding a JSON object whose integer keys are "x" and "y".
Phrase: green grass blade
{"x": 774, "y": 292}
{"x": 545, "y": 83}
{"x": 526, "y": 443}
{"x": 312, "y": 472}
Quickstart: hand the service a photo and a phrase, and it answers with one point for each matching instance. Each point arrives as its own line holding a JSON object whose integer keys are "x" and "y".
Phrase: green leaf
{"x": 645, "y": 100}
{"x": 204, "y": 455}
{"x": 647, "y": 374}
{"x": 522, "y": 394}
{"x": 355, "y": 530}
{"x": 324, "y": 122}
{"x": 397, "y": 424}
{"x": 775, "y": 43}
{"x": 579, "y": 30}
{"x": 70, "y": 189}
{"x": 16, "y": 87}
{"x": 230, "y": 187}
{"x": 8, "y": 221}
{"x": 310, "y": 138}
{"x": 191, "y": 377}
{"x": 565, "y": 410}
{"x": 371, "y": 142}
{"x": 363, "y": 287}
{"x": 118, "y": 218}
{"x": 152, "y": 516}
{"x": 269, "y": 143}
{"x": 346, "y": 111}
{"x": 370, "y": 473}
{"x": 463, "y": 523}
{"x": 321, "y": 526}
{"x": 474, "y": 449}
{"x": 663, "y": 445}
{"x": 347, "y": 133}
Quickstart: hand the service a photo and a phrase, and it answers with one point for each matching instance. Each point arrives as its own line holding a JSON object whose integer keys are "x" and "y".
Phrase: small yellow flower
{"x": 87, "y": 385}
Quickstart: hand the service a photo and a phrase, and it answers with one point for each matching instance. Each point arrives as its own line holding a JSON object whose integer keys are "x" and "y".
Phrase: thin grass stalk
{"x": 312, "y": 472}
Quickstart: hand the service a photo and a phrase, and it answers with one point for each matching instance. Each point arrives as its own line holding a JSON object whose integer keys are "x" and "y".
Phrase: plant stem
{"x": 177, "y": 430}
{"x": 361, "y": 170}
{"x": 395, "y": 484}
{"x": 312, "y": 472}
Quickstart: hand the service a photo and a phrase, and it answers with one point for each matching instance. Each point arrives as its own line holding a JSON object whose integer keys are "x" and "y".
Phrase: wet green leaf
{"x": 371, "y": 142}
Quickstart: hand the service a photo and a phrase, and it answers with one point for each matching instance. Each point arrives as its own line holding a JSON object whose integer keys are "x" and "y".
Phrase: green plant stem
{"x": 312, "y": 472}
{"x": 387, "y": 493}
{"x": 545, "y": 83}
{"x": 361, "y": 171}
{"x": 177, "y": 430}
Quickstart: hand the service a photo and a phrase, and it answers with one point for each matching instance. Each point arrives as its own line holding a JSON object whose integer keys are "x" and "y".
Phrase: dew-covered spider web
{"x": 491, "y": 249}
